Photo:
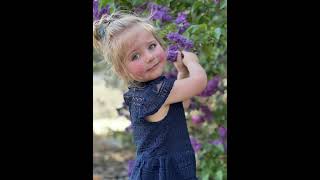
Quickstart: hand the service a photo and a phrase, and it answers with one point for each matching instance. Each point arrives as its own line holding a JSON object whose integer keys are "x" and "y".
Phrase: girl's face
{"x": 145, "y": 59}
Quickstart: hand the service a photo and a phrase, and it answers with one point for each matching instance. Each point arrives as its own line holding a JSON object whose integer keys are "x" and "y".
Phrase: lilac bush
{"x": 200, "y": 27}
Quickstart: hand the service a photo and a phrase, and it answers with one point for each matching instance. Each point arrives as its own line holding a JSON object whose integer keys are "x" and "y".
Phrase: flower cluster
{"x": 197, "y": 119}
{"x": 212, "y": 87}
{"x": 180, "y": 40}
{"x": 195, "y": 144}
{"x": 159, "y": 12}
{"x": 205, "y": 115}
{"x": 182, "y": 22}
{"x": 179, "y": 43}
{"x": 222, "y": 131}
{"x": 98, "y": 13}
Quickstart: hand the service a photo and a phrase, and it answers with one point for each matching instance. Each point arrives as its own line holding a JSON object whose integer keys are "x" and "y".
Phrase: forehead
{"x": 135, "y": 37}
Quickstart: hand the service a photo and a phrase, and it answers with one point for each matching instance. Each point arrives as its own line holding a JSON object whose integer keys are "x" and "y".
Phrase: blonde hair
{"x": 105, "y": 39}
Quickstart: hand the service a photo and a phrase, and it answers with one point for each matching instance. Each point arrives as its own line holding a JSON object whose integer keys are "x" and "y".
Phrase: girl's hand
{"x": 179, "y": 64}
{"x": 183, "y": 72}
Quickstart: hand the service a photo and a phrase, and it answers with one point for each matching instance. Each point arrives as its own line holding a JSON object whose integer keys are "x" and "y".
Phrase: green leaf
{"x": 192, "y": 29}
{"x": 196, "y": 6}
{"x": 219, "y": 175}
{"x": 112, "y": 8}
{"x": 157, "y": 23}
{"x": 194, "y": 11}
{"x": 220, "y": 148}
{"x": 136, "y": 2}
{"x": 224, "y": 4}
{"x": 202, "y": 27}
{"x": 103, "y": 3}
{"x": 206, "y": 177}
{"x": 217, "y": 33}
{"x": 186, "y": 34}
{"x": 207, "y": 50}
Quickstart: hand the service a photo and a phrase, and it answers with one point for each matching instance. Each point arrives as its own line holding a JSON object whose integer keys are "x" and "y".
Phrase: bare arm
{"x": 194, "y": 84}
{"x": 182, "y": 75}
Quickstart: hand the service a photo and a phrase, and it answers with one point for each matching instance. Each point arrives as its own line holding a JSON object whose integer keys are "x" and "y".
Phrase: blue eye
{"x": 152, "y": 46}
{"x": 135, "y": 56}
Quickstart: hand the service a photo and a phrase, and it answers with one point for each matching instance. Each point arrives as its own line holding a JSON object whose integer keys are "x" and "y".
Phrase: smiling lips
{"x": 153, "y": 67}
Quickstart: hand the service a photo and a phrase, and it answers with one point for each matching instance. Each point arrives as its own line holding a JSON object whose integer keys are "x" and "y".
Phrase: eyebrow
{"x": 136, "y": 49}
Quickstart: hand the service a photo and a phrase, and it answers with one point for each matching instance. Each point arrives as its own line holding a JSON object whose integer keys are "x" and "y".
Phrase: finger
{"x": 179, "y": 56}
{"x": 182, "y": 55}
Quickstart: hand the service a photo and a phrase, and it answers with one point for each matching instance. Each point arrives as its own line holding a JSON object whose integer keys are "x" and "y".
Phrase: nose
{"x": 149, "y": 57}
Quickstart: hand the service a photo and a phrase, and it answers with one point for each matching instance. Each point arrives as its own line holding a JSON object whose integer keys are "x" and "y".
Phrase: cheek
{"x": 136, "y": 68}
{"x": 161, "y": 55}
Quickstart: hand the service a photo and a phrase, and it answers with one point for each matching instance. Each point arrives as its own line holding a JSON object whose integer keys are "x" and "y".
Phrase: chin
{"x": 159, "y": 71}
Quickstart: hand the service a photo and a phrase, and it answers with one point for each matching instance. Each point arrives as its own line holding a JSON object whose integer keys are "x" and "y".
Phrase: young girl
{"x": 156, "y": 103}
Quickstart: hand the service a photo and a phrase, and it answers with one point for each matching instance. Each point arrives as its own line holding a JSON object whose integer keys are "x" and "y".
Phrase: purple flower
{"x": 166, "y": 17}
{"x": 211, "y": 88}
{"x": 172, "y": 56}
{"x": 183, "y": 27}
{"x": 173, "y": 48}
{"x": 195, "y": 144}
{"x": 104, "y": 10}
{"x": 222, "y": 131}
{"x": 182, "y": 17}
{"x": 95, "y": 4}
{"x": 159, "y": 12}
{"x": 182, "y": 42}
{"x": 216, "y": 142}
{"x": 173, "y": 36}
{"x": 130, "y": 166}
{"x": 157, "y": 15}
{"x": 193, "y": 104}
{"x": 207, "y": 112}
{"x": 182, "y": 22}
{"x": 98, "y": 13}
{"x": 139, "y": 9}
{"x": 197, "y": 119}
{"x": 95, "y": 9}
{"x": 188, "y": 45}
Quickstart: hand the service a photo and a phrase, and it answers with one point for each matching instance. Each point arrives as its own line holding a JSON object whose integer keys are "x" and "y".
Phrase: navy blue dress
{"x": 164, "y": 150}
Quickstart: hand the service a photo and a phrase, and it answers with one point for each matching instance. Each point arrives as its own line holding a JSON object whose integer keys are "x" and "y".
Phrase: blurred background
{"x": 110, "y": 151}
{"x": 202, "y": 28}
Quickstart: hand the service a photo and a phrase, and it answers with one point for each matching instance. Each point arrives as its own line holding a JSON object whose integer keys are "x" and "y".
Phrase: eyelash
{"x": 155, "y": 45}
{"x": 135, "y": 55}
